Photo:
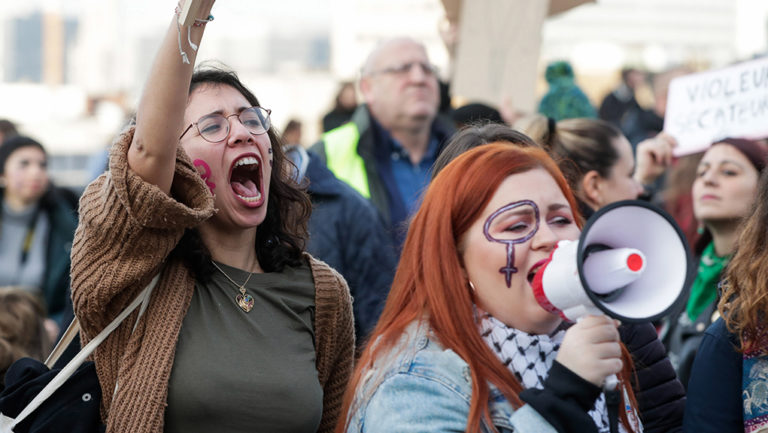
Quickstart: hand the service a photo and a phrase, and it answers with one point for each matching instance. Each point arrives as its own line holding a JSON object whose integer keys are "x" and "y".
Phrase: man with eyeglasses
{"x": 387, "y": 150}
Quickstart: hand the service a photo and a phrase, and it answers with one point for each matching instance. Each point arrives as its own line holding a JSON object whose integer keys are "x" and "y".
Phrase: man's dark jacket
{"x": 346, "y": 232}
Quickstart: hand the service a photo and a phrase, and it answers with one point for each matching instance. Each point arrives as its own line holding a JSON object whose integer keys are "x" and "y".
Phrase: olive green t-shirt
{"x": 247, "y": 372}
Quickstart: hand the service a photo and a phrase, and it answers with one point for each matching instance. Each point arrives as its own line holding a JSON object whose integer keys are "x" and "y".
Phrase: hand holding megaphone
{"x": 591, "y": 349}
{"x": 610, "y": 271}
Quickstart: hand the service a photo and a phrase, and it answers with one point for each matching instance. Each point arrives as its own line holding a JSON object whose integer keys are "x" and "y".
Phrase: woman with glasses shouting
{"x": 244, "y": 331}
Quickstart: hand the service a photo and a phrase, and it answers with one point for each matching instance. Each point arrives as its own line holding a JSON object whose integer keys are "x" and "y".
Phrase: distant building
{"x": 37, "y": 48}
{"x": 305, "y": 51}
{"x": 650, "y": 34}
{"x": 24, "y": 58}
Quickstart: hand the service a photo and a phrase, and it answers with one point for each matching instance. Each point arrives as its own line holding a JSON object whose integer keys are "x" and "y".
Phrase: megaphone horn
{"x": 631, "y": 262}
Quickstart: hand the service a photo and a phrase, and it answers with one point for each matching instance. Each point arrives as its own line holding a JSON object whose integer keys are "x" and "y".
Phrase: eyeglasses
{"x": 405, "y": 68}
{"x": 215, "y": 127}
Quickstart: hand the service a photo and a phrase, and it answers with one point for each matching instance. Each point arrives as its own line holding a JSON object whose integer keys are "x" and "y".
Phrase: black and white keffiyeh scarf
{"x": 530, "y": 357}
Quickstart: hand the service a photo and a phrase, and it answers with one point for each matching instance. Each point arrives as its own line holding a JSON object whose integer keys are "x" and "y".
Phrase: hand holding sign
{"x": 732, "y": 102}
{"x": 654, "y": 156}
{"x": 190, "y": 11}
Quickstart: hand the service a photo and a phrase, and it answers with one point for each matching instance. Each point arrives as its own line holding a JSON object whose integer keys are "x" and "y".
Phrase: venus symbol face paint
{"x": 205, "y": 172}
{"x": 513, "y": 224}
{"x": 523, "y": 220}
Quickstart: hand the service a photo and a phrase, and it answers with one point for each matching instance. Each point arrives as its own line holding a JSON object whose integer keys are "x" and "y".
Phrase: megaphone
{"x": 631, "y": 263}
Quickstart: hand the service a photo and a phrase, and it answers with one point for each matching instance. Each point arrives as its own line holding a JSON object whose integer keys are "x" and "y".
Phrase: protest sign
{"x": 497, "y": 58}
{"x": 189, "y": 12}
{"x": 708, "y": 106}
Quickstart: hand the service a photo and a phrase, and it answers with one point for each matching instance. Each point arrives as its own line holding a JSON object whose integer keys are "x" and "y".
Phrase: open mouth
{"x": 531, "y": 275}
{"x": 535, "y": 269}
{"x": 245, "y": 179}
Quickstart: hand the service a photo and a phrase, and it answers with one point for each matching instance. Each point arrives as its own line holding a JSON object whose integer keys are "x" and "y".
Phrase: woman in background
{"x": 729, "y": 378}
{"x": 598, "y": 160}
{"x": 723, "y": 194}
{"x": 37, "y": 223}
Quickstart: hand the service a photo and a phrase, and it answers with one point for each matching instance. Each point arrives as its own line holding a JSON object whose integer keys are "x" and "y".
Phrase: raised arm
{"x": 152, "y": 154}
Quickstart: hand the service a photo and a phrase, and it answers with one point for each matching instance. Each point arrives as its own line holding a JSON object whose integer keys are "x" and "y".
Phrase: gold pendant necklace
{"x": 244, "y": 300}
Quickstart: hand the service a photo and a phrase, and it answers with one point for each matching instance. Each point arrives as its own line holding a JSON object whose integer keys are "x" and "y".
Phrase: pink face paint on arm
{"x": 205, "y": 172}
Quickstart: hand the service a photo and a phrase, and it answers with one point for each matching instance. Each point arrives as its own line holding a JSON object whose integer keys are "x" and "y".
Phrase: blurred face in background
{"x": 400, "y": 86}
{"x": 725, "y": 185}
{"x": 635, "y": 79}
{"x": 620, "y": 185}
{"x": 348, "y": 97}
{"x": 25, "y": 176}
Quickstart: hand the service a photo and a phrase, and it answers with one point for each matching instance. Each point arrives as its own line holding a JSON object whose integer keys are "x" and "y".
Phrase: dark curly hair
{"x": 281, "y": 238}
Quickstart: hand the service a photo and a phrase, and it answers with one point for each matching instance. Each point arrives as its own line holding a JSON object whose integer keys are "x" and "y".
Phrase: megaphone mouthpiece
{"x": 611, "y": 269}
{"x": 556, "y": 285}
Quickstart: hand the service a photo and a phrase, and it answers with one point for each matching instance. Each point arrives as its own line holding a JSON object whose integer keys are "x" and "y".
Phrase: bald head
{"x": 399, "y": 85}
{"x": 382, "y": 51}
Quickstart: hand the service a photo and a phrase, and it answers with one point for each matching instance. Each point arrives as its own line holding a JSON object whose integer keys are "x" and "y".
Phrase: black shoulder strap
{"x": 612, "y": 405}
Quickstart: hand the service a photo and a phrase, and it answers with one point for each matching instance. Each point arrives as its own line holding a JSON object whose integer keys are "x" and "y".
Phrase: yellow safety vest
{"x": 342, "y": 157}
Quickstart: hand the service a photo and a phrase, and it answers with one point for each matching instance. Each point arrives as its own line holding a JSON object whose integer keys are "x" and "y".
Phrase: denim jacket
{"x": 420, "y": 386}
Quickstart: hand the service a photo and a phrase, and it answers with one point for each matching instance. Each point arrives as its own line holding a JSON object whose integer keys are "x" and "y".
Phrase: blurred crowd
{"x": 396, "y": 167}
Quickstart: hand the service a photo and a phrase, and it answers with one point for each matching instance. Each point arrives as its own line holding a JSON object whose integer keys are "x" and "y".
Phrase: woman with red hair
{"x": 462, "y": 344}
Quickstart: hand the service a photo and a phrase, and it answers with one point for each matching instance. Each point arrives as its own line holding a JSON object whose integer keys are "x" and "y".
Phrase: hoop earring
{"x": 471, "y": 286}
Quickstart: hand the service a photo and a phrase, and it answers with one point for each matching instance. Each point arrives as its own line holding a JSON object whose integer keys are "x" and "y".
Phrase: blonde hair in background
{"x": 22, "y": 329}
{"x": 577, "y": 145}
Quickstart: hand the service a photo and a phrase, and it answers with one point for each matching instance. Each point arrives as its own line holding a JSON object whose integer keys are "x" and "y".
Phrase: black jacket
{"x": 682, "y": 336}
{"x": 346, "y": 232}
{"x": 74, "y": 407}
{"x": 660, "y": 396}
{"x": 375, "y": 155}
{"x": 63, "y": 220}
{"x": 716, "y": 390}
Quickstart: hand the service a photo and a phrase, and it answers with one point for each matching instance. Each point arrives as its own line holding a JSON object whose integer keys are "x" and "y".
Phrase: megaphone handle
{"x": 611, "y": 382}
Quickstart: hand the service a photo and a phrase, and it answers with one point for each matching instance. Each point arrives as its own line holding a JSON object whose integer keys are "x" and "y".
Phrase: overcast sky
{"x": 312, "y": 14}
{"x": 295, "y": 13}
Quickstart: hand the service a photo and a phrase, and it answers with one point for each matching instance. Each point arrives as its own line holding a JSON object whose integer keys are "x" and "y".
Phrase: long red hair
{"x": 430, "y": 284}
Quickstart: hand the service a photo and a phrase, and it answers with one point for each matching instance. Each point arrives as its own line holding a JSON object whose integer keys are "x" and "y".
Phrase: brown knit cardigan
{"x": 127, "y": 230}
